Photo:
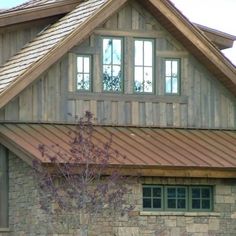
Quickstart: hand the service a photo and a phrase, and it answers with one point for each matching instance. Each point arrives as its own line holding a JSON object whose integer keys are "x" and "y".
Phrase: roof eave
{"x": 35, "y": 13}
{"x": 221, "y": 39}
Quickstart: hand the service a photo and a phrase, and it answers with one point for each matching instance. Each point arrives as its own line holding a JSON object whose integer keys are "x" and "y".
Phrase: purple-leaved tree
{"x": 80, "y": 180}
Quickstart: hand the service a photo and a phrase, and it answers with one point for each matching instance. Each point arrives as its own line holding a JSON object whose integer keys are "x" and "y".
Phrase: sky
{"x": 217, "y": 14}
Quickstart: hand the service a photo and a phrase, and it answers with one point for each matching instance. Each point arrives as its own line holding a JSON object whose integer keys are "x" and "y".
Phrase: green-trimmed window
{"x": 172, "y": 76}
{"x": 83, "y": 72}
{"x": 143, "y": 65}
{"x": 201, "y": 198}
{"x": 152, "y": 197}
{"x": 177, "y": 198}
{"x": 112, "y": 64}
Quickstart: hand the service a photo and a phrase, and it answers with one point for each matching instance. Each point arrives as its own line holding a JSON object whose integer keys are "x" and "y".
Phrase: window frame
{"x": 162, "y": 192}
{"x": 210, "y": 198}
{"x": 176, "y": 198}
{"x": 143, "y": 66}
{"x": 121, "y": 65}
{"x": 188, "y": 198}
{"x": 178, "y": 75}
{"x": 90, "y": 72}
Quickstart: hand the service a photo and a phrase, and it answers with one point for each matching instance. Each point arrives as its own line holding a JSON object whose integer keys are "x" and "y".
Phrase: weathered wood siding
{"x": 13, "y": 38}
{"x": 203, "y": 102}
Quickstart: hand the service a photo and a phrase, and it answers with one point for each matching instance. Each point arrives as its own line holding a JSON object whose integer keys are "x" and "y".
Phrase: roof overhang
{"x": 220, "y": 39}
{"x": 147, "y": 151}
{"x": 35, "y": 13}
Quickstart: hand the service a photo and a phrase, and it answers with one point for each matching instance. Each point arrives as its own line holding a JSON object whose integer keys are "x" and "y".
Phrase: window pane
{"x": 117, "y": 51}
{"x": 107, "y": 46}
{"x": 80, "y": 64}
{"x": 86, "y": 65}
{"x": 86, "y": 81}
{"x": 147, "y": 192}
{"x": 174, "y": 85}
{"x": 168, "y": 84}
{"x": 147, "y": 79}
{"x": 205, "y": 204}
{"x": 168, "y": 68}
{"x": 181, "y": 192}
{"x": 147, "y": 203}
{"x": 157, "y": 192}
{"x": 174, "y": 68}
{"x": 138, "y": 53}
{"x": 181, "y": 203}
{"x": 148, "y": 53}
{"x": 196, "y": 204}
{"x": 196, "y": 193}
{"x": 206, "y": 193}
{"x": 171, "y": 192}
{"x": 79, "y": 81}
{"x": 156, "y": 203}
{"x": 116, "y": 72}
{"x": 171, "y": 203}
{"x": 138, "y": 81}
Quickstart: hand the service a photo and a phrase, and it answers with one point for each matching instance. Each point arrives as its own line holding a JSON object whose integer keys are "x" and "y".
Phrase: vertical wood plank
{"x": 71, "y": 110}
{"x": 135, "y": 113}
{"x": 114, "y": 112}
{"x": 176, "y": 115}
{"x": 93, "y": 109}
{"x": 107, "y": 112}
{"x": 149, "y": 113}
{"x": 12, "y": 110}
{"x": 25, "y": 105}
{"x": 121, "y": 113}
{"x": 72, "y": 72}
{"x": 163, "y": 121}
{"x": 127, "y": 113}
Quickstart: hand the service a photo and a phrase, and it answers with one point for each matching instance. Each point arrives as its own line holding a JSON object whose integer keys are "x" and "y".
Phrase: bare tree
{"x": 80, "y": 179}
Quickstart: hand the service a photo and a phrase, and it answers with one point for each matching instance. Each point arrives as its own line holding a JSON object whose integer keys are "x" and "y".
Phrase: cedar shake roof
{"x": 32, "y": 3}
{"x": 45, "y": 42}
{"x": 142, "y": 147}
{"x": 38, "y": 55}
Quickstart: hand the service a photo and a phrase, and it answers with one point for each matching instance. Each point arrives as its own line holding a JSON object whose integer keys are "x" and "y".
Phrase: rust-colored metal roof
{"x": 141, "y": 146}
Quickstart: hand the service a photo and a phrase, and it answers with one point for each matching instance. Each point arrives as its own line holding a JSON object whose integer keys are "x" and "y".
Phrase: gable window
{"x": 112, "y": 64}
{"x": 172, "y": 76}
{"x": 177, "y": 198}
{"x": 83, "y": 72}
{"x": 143, "y": 66}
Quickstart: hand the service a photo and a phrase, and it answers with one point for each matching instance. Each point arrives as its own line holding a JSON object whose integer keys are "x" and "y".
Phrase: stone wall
{"x": 27, "y": 219}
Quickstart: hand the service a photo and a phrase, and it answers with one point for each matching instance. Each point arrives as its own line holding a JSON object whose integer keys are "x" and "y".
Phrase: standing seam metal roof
{"x": 46, "y": 41}
{"x": 141, "y": 146}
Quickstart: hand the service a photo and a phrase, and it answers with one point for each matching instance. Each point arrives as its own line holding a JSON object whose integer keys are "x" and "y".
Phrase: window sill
{"x": 4, "y": 230}
{"x": 112, "y": 96}
{"x": 168, "y": 213}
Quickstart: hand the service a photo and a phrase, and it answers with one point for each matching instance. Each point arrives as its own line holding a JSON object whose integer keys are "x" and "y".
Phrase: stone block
{"x": 128, "y": 231}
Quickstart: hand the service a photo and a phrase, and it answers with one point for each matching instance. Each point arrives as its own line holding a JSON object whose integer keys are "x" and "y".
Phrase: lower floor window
{"x": 177, "y": 198}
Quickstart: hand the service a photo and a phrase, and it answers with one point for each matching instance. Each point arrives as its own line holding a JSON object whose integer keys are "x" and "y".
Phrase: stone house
{"x": 156, "y": 81}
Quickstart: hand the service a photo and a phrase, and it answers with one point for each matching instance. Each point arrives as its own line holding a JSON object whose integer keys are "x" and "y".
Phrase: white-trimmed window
{"x": 143, "y": 65}
{"x": 172, "y": 76}
{"x": 112, "y": 62}
{"x": 83, "y": 73}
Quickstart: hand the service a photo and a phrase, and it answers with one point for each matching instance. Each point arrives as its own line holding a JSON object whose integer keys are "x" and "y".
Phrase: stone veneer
{"x": 27, "y": 219}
